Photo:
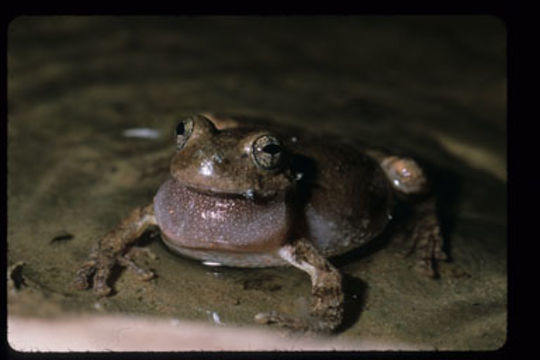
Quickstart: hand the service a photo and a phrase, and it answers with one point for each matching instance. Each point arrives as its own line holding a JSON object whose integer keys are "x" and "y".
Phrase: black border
{"x": 520, "y": 37}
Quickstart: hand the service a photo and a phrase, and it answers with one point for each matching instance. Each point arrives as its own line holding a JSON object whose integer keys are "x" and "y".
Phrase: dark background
{"x": 432, "y": 86}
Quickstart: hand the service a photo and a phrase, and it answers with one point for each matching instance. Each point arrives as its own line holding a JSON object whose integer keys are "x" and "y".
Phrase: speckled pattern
{"x": 201, "y": 221}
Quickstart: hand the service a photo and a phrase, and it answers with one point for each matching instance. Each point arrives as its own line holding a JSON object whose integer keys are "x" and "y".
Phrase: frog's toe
{"x": 266, "y": 318}
{"x": 426, "y": 268}
{"x": 101, "y": 290}
{"x": 135, "y": 251}
{"x": 438, "y": 252}
{"x": 281, "y": 320}
{"x": 312, "y": 324}
{"x": 100, "y": 287}
{"x": 429, "y": 245}
{"x": 141, "y": 273}
{"x": 80, "y": 282}
{"x": 440, "y": 255}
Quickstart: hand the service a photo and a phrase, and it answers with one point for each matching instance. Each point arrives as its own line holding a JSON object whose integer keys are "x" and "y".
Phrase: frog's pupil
{"x": 180, "y": 129}
{"x": 272, "y": 149}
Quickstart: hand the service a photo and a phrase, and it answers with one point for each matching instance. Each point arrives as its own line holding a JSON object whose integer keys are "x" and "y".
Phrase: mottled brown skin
{"x": 255, "y": 195}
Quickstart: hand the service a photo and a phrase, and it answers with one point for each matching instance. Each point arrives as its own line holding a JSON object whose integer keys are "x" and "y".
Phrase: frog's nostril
{"x": 206, "y": 168}
{"x": 218, "y": 157}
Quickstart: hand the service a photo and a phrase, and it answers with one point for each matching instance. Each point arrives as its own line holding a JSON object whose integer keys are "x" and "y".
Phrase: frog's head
{"x": 245, "y": 161}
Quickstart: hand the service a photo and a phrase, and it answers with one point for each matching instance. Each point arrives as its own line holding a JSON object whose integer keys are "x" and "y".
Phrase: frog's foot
{"x": 427, "y": 244}
{"x": 424, "y": 238}
{"x": 141, "y": 273}
{"x": 282, "y": 320}
{"x": 137, "y": 251}
{"x": 98, "y": 268}
{"x": 111, "y": 251}
{"x": 327, "y": 296}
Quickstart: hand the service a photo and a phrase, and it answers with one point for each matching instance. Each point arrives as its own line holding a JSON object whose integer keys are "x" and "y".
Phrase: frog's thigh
{"x": 327, "y": 294}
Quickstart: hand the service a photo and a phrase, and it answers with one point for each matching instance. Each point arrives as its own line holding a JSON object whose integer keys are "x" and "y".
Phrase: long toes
{"x": 141, "y": 273}
{"x": 281, "y": 320}
{"x": 138, "y": 251}
{"x": 438, "y": 252}
{"x": 80, "y": 282}
{"x": 425, "y": 267}
{"x": 100, "y": 282}
{"x": 266, "y": 318}
{"x": 440, "y": 255}
{"x": 144, "y": 274}
{"x": 311, "y": 325}
{"x": 101, "y": 289}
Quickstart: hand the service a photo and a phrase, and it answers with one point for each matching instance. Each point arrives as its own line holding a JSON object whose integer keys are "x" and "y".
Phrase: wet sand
{"x": 434, "y": 87}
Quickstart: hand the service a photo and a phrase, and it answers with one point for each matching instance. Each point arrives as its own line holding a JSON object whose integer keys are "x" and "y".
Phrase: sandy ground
{"x": 432, "y": 86}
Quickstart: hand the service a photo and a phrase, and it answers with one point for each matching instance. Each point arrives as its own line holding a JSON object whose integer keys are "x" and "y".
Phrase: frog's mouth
{"x": 234, "y": 181}
{"x": 247, "y": 194}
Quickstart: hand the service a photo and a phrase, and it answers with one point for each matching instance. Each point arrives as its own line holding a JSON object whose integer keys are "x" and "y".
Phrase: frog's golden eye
{"x": 183, "y": 132}
{"x": 267, "y": 152}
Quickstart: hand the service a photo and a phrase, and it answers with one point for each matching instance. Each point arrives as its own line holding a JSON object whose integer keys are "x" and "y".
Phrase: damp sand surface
{"x": 92, "y": 102}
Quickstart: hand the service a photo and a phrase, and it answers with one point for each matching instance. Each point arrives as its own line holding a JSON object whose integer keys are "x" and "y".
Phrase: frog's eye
{"x": 183, "y": 132}
{"x": 267, "y": 152}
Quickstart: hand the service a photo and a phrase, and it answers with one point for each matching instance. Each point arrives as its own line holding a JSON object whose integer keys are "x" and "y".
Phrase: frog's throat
{"x": 198, "y": 220}
{"x": 240, "y": 194}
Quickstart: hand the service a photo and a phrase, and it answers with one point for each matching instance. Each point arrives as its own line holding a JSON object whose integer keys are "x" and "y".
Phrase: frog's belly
{"x": 197, "y": 221}
{"x": 227, "y": 258}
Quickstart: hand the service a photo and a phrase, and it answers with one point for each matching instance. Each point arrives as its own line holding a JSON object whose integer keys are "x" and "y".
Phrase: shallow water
{"x": 432, "y": 86}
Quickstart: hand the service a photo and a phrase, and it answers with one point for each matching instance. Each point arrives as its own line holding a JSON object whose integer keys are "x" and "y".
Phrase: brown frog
{"x": 247, "y": 195}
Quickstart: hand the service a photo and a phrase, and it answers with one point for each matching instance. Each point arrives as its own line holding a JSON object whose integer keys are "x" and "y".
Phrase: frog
{"x": 254, "y": 194}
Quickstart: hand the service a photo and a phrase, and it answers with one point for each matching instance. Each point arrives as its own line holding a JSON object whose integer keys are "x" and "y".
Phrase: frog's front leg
{"x": 327, "y": 296}
{"x": 111, "y": 250}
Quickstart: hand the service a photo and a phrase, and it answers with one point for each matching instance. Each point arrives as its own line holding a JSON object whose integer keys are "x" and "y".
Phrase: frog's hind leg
{"x": 417, "y": 233}
{"x": 423, "y": 235}
{"x": 327, "y": 296}
{"x": 111, "y": 250}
